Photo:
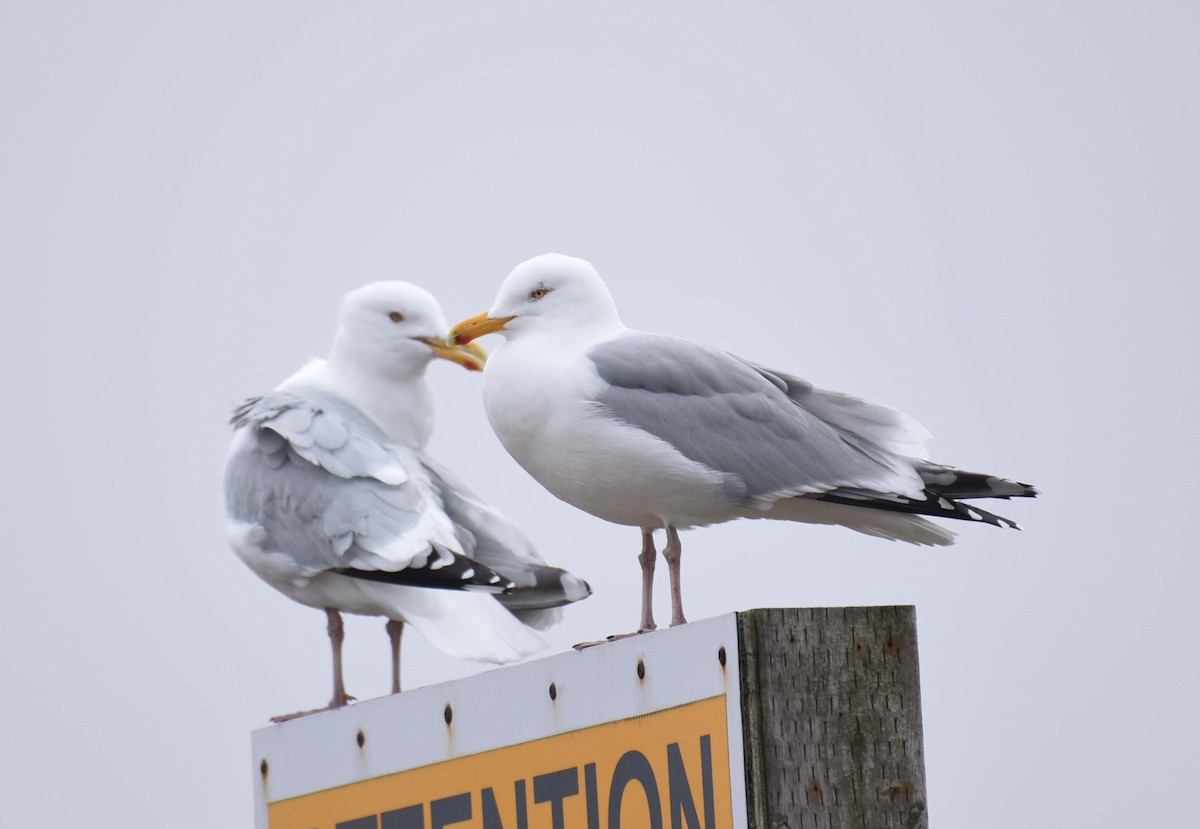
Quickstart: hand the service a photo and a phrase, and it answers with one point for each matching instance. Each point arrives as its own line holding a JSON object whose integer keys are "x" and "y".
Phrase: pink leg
{"x": 340, "y": 698}
{"x": 395, "y": 629}
{"x": 646, "y": 558}
{"x": 336, "y": 634}
{"x": 672, "y": 553}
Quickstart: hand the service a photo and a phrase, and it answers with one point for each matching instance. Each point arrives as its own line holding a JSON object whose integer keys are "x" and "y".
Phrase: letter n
{"x": 491, "y": 810}
{"x": 681, "y": 804}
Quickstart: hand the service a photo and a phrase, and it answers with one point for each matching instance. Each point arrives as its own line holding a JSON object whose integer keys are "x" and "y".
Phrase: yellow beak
{"x": 468, "y": 355}
{"x": 475, "y": 327}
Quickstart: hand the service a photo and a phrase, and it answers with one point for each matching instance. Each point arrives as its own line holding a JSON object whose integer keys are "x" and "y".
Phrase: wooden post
{"x": 832, "y": 717}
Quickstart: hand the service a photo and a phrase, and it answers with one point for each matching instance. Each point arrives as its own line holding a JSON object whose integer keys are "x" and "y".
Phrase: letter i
{"x": 590, "y": 794}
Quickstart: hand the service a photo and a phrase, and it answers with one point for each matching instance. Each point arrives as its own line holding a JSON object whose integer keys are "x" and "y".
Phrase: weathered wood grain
{"x": 832, "y": 711}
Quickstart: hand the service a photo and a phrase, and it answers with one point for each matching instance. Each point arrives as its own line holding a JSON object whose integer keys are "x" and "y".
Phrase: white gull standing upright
{"x": 332, "y": 499}
{"x": 657, "y": 432}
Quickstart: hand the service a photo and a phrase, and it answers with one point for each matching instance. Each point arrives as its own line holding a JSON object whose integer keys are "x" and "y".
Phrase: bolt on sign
{"x": 641, "y": 733}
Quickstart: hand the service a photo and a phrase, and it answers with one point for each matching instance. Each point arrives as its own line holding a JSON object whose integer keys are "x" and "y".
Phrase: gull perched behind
{"x": 333, "y": 501}
{"x": 658, "y": 432}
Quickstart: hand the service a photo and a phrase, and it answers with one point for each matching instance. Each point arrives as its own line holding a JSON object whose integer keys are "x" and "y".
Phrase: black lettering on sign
{"x": 410, "y": 817}
{"x": 681, "y": 805}
{"x": 633, "y": 765}
{"x": 447, "y": 810}
{"x": 554, "y": 788}
{"x": 591, "y": 793}
{"x": 491, "y": 811}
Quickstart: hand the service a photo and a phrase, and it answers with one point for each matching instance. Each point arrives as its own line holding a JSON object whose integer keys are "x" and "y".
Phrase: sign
{"x": 641, "y": 733}
{"x": 650, "y": 771}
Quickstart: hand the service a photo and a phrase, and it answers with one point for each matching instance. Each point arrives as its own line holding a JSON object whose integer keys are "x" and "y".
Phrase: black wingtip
{"x": 544, "y": 587}
{"x": 443, "y": 570}
{"x": 934, "y": 504}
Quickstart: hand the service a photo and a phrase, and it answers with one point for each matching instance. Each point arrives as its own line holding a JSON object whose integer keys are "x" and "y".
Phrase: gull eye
{"x": 395, "y": 316}
{"x": 538, "y": 293}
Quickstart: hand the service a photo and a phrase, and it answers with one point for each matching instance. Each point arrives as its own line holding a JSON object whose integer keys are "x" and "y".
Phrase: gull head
{"x": 552, "y": 294}
{"x": 396, "y": 329}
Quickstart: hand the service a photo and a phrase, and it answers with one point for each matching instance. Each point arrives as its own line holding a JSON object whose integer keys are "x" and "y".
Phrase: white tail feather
{"x": 463, "y": 624}
{"x": 894, "y": 526}
{"x": 466, "y": 625}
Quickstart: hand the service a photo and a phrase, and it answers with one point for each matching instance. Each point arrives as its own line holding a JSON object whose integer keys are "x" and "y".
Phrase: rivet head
{"x": 360, "y": 738}
{"x": 448, "y": 714}
{"x": 553, "y": 691}
{"x": 721, "y": 655}
{"x": 641, "y": 668}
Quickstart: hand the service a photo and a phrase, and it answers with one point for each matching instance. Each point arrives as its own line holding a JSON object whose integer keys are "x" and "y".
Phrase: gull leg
{"x": 395, "y": 629}
{"x": 647, "y": 559}
{"x": 340, "y": 698}
{"x": 672, "y": 553}
{"x": 336, "y": 634}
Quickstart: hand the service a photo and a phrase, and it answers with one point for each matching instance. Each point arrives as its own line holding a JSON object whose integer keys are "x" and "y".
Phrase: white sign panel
{"x": 641, "y": 732}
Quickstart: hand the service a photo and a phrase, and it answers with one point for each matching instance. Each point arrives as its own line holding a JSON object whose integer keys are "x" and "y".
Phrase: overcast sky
{"x": 982, "y": 213}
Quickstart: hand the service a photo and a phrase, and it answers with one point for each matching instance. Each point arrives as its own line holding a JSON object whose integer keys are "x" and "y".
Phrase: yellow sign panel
{"x": 666, "y": 769}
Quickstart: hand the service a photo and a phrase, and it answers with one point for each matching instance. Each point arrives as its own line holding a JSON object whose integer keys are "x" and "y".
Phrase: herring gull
{"x": 332, "y": 499}
{"x": 657, "y": 432}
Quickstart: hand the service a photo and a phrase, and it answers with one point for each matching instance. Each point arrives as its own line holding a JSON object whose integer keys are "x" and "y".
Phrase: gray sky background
{"x": 984, "y": 214}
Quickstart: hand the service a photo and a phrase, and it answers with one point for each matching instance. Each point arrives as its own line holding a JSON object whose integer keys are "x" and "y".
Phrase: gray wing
{"x": 490, "y": 538}
{"x": 324, "y": 431}
{"x": 721, "y": 411}
{"x": 896, "y": 432}
{"x": 329, "y": 490}
{"x": 882, "y": 426}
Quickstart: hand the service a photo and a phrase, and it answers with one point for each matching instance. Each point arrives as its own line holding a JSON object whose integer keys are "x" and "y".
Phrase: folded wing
{"x": 332, "y": 494}
{"x": 725, "y": 413}
{"x": 776, "y": 436}
{"x": 491, "y": 539}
